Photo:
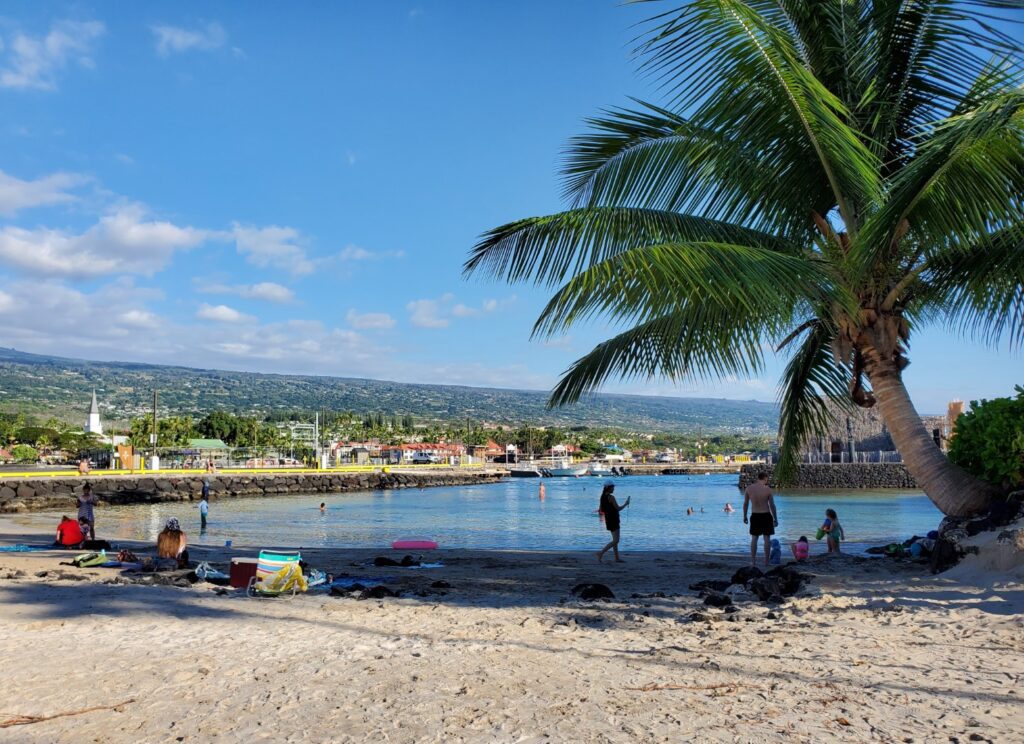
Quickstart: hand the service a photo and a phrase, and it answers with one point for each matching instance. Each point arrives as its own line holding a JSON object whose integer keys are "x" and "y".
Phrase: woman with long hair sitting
{"x": 171, "y": 543}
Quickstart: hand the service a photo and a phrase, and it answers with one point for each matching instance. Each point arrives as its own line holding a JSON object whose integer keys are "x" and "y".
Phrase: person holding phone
{"x": 610, "y": 508}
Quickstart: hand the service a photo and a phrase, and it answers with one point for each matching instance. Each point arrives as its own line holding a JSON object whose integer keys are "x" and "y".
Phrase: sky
{"x": 294, "y": 188}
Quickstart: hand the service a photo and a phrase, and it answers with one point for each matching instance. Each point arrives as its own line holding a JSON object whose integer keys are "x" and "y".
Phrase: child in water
{"x": 801, "y": 549}
{"x": 833, "y": 530}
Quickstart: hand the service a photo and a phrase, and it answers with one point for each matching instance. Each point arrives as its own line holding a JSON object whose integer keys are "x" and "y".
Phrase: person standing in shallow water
{"x": 763, "y": 518}
{"x": 610, "y": 508}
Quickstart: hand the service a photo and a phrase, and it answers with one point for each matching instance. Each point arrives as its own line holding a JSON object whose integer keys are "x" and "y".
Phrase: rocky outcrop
{"x": 839, "y": 475}
{"x": 34, "y": 494}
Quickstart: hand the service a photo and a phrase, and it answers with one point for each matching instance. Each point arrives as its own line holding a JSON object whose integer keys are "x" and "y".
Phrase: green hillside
{"x": 44, "y": 385}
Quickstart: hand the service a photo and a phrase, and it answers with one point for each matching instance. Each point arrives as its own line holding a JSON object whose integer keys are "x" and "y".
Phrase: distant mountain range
{"x": 45, "y": 385}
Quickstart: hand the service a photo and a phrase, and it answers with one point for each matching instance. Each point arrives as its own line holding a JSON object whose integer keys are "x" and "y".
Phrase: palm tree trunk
{"x": 950, "y": 488}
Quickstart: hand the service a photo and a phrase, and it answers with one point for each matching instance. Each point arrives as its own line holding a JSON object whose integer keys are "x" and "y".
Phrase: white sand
{"x": 878, "y": 651}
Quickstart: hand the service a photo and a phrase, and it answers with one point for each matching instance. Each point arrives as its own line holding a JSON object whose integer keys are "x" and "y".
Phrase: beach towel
{"x": 23, "y": 548}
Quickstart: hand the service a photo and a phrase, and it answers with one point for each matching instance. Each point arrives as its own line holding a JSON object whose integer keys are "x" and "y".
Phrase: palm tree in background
{"x": 825, "y": 175}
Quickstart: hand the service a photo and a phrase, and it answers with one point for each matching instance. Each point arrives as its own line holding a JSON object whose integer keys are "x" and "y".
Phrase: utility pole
{"x": 153, "y": 437}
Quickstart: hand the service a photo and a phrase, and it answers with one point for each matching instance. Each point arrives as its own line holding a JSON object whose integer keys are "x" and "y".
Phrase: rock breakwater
{"x": 35, "y": 494}
{"x": 838, "y": 475}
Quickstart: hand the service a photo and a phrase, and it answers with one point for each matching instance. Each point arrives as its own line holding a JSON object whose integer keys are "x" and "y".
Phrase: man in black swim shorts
{"x": 763, "y": 519}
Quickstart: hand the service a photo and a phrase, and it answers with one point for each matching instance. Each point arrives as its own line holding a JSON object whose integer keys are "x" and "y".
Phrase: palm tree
{"x": 827, "y": 175}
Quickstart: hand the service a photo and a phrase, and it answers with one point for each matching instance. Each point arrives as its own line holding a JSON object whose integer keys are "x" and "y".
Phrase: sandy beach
{"x": 871, "y": 650}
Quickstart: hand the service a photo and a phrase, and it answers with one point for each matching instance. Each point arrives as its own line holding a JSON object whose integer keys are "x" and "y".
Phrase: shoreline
{"x": 872, "y": 650}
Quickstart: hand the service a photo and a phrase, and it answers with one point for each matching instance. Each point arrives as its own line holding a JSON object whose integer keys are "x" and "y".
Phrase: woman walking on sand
{"x": 610, "y": 508}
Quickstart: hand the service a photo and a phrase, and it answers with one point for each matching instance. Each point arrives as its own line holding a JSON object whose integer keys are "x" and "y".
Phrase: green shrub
{"x": 24, "y": 453}
{"x": 988, "y": 441}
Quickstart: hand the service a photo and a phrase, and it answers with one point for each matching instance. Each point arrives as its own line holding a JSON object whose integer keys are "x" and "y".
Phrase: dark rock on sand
{"x": 745, "y": 574}
{"x": 591, "y": 592}
{"x": 698, "y": 617}
{"x": 730, "y": 609}
{"x": 377, "y": 592}
{"x": 405, "y": 562}
{"x": 789, "y": 580}
{"x": 344, "y": 591}
{"x": 717, "y": 599}
{"x": 440, "y": 584}
{"x": 714, "y": 584}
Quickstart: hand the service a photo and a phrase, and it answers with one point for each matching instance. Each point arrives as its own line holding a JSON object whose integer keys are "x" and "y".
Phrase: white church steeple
{"x": 93, "y": 425}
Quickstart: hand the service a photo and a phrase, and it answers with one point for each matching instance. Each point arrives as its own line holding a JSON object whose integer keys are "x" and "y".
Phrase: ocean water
{"x": 511, "y": 515}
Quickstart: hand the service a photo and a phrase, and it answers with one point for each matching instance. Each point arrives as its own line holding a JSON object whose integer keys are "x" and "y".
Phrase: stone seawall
{"x": 34, "y": 494}
{"x": 846, "y": 475}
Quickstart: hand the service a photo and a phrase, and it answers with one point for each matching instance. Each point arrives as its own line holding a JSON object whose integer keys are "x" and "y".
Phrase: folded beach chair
{"x": 277, "y": 574}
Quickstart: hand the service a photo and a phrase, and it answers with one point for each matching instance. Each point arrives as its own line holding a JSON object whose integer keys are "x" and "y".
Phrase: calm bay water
{"x": 510, "y": 515}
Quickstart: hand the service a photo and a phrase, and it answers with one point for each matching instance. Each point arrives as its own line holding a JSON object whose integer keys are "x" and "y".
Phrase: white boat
{"x": 524, "y": 471}
{"x": 565, "y": 469}
{"x": 600, "y": 469}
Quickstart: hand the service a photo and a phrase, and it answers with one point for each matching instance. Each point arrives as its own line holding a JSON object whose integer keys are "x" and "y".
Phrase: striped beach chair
{"x": 277, "y": 574}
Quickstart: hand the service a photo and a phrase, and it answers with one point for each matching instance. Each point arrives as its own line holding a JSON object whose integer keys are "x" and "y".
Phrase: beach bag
{"x": 89, "y": 560}
{"x": 96, "y": 545}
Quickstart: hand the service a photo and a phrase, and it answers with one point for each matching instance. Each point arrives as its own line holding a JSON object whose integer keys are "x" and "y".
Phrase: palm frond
{"x": 649, "y": 157}
{"x": 978, "y": 288}
{"x": 965, "y": 178}
{"x": 547, "y": 249}
{"x": 759, "y": 88}
{"x": 812, "y": 380}
{"x": 692, "y": 342}
{"x": 748, "y": 287}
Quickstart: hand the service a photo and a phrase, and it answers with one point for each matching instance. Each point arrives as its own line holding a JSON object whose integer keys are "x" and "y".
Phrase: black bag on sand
{"x": 945, "y": 554}
{"x": 96, "y": 545}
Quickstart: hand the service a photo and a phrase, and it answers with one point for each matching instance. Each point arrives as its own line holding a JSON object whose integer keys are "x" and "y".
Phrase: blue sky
{"x": 247, "y": 187}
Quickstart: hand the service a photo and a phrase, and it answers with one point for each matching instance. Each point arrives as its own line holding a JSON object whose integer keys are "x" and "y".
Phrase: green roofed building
{"x": 207, "y": 445}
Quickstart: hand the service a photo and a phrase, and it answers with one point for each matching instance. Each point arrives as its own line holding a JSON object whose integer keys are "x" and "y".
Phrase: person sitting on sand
{"x": 801, "y": 549}
{"x": 69, "y": 533}
{"x": 610, "y": 508}
{"x": 833, "y": 530}
{"x": 171, "y": 543}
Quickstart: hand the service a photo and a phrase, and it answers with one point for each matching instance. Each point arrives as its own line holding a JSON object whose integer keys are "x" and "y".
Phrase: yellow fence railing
{"x": 236, "y": 471}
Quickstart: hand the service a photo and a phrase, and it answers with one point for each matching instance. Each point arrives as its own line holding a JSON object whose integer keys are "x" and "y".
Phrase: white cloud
{"x": 139, "y": 318}
{"x": 16, "y": 194}
{"x": 464, "y": 311}
{"x": 125, "y": 241}
{"x": 438, "y": 313}
{"x": 266, "y": 291}
{"x": 427, "y": 314}
{"x": 366, "y": 321}
{"x": 222, "y": 314}
{"x": 174, "y": 39}
{"x": 273, "y": 246}
{"x": 354, "y": 253}
{"x": 34, "y": 62}
{"x": 47, "y": 317}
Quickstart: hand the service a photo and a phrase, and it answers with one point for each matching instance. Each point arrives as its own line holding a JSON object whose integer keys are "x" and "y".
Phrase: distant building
{"x": 92, "y": 424}
{"x": 864, "y": 430}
